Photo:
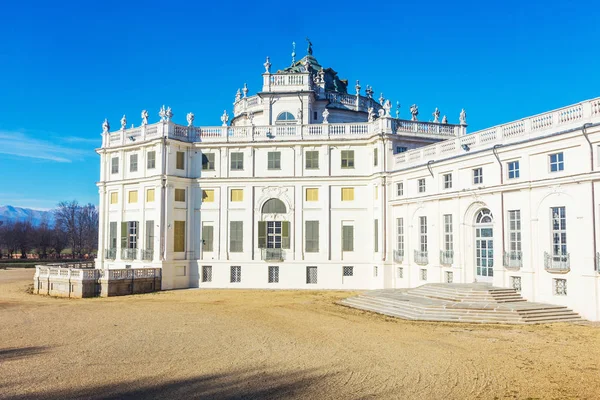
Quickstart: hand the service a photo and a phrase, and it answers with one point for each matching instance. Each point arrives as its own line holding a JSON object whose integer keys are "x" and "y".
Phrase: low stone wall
{"x": 70, "y": 281}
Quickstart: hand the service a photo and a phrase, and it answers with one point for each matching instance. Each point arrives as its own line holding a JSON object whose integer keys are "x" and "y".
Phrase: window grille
{"x": 423, "y": 274}
{"x": 236, "y": 274}
{"x": 274, "y": 274}
{"x": 560, "y": 287}
{"x": 348, "y": 271}
{"x": 515, "y": 283}
{"x": 207, "y": 273}
{"x": 311, "y": 275}
{"x": 400, "y": 272}
{"x": 449, "y": 276}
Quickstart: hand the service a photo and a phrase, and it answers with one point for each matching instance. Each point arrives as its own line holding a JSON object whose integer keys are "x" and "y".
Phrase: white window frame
{"x": 513, "y": 169}
{"x": 478, "y": 176}
{"x": 423, "y": 234}
{"x": 448, "y": 181}
{"x": 421, "y": 185}
{"x": 557, "y": 164}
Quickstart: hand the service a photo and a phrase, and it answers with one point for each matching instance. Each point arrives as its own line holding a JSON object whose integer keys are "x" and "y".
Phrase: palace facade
{"x": 313, "y": 184}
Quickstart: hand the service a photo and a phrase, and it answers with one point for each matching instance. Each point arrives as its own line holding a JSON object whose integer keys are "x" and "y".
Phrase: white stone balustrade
{"x": 570, "y": 117}
{"x": 286, "y": 82}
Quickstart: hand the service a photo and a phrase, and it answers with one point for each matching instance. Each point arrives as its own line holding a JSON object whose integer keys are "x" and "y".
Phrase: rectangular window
{"x": 237, "y": 161}
{"x": 150, "y": 236}
{"x": 208, "y": 196}
{"x": 449, "y": 276}
{"x": 423, "y": 234}
{"x": 274, "y": 160}
{"x": 423, "y": 274}
{"x": 348, "y": 271}
{"x": 347, "y": 194}
{"x": 207, "y": 273}
{"x": 114, "y": 197}
{"x": 515, "y": 283}
{"x": 421, "y": 185}
{"x": 315, "y": 117}
{"x": 312, "y": 237}
{"x": 237, "y": 195}
{"x": 180, "y": 195}
{"x": 447, "y": 181}
{"x": 149, "y": 195}
{"x": 347, "y": 238}
{"x": 556, "y": 162}
{"x": 514, "y": 234}
{"x": 236, "y": 236}
{"x": 513, "y": 169}
{"x": 560, "y": 287}
{"x": 400, "y": 188}
{"x": 112, "y": 236}
{"x": 401, "y": 149}
{"x": 311, "y": 275}
{"x": 559, "y": 233}
{"x": 236, "y": 274}
{"x": 347, "y": 158}
{"x": 312, "y": 194}
{"x": 151, "y": 160}
{"x": 312, "y": 160}
{"x": 376, "y": 235}
{"x": 400, "y": 272}
{"x": 400, "y": 235}
{"x": 180, "y": 160}
{"x": 207, "y": 238}
{"x": 132, "y": 196}
{"x": 208, "y": 161}
{"x": 375, "y": 157}
{"x": 477, "y": 176}
{"x": 179, "y": 236}
{"x": 131, "y": 235}
{"x": 274, "y": 274}
{"x": 448, "y": 238}
{"x": 133, "y": 163}
{"x": 114, "y": 165}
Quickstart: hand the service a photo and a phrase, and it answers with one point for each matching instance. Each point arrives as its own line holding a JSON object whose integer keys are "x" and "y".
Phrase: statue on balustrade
{"x": 387, "y": 105}
{"x": 224, "y": 118}
{"x": 436, "y": 115}
{"x": 144, "y": 117}
{"x": 309, "y": 50}
{"x": 105, "y": 126}
{"x": 325, "y": 116}
{"x": 124, "y": 122}
{"x": 414, "y": 111}
{"x": 371, "y": 114}
{"x": 463, "y": 117}
{"x": 444, "y": 120}
{"x": 238, "y": 95}
{"x": 169, "y": 114}
{"x": 162, "y": 113}
{"x": 190, "y": 119}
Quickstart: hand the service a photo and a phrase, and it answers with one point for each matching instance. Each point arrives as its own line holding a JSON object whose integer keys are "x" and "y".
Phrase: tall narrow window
{"x": 312, "y": 194}
{"x": 207, "y": 238}
{"x": 375, "y": 157}
{"x": 180, "y": 162}
{"x": 180, "y": 195}
{"x": 114, "y": 167}
{"x": 114, "y": 197}
{"x": 514, "y": 238}
{"x": 421, "y": 185}
{"x": 130, "y": 235}
{"x": 347, "y": 238}
{"x": 400, "y": 235}
{"x": 208, "y": 161}
{"x": 347, "y": 194}
{"x": 237, "y": 195}
{"x": 477, "y": 176}
{"x": 312, "y": 237}
{"x": 236, "y": 236}
{"x": 447, "y": 181}
{"x": 150, "y": 237}
{"x": 423, "y": 234}
{"x": 237, "y": 161}
{"x": 274, "y": 160}
{"x": 312, "y": 160}
{"x": 112, "y": 236}
{"x": 151, "y": 160}
{"x": 559, "y": 234}
{"x": 376, "y": 235}
{"x": 448, "y": 237}
{"x": 149, "y": 195}
{"x": 513, "y": 170}
{"x": 179, "y": 236}
{"x": 400, "y": 188}
{"x": 133, "y": 163}
{"x": 347, "y": 158}
{"x": 557, "y": 162}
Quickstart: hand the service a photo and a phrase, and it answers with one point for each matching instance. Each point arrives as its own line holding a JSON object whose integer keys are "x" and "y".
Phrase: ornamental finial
{"x": 245, "y": 90}
{"x": 293, "y": 52}
{"x": 397, "y": 110}
{"x": 357, "y": 87}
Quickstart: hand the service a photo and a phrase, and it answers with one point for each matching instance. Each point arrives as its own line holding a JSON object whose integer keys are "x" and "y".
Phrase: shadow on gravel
{"x": 19, "y": 352}
{"x": 237, "y": 385}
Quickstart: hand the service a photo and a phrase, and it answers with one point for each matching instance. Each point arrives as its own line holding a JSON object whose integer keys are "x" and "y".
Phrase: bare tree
{"x": 43, "y": 238}
{"x": 89, "y": 222}
{"x": 66, "y": 218}
{"x": 60, "y": 240}
{"x": 23, "y": 236}
{"x": 80, "y": 223}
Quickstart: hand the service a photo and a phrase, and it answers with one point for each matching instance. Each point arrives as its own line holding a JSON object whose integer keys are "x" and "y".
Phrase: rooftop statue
{"x": 387, "y": 106}
{"x": 325, "y": 116}
{"x": 169, "y": 114}
{"x": 463, "y": 117}
{"x": 238, "y": 95}
{"x": 309, "y": 50}
{"x": 436, "y": 115}
{"x": 445, "y": 120}
{"x": 124, "y": 122}
{"x": 397, "y": 110}
{"x": 105, "y": 126}
{"x": 224, "y": 118}
{"x": 245, "y": 90}
{"x": 144, "y": 117}
{"x": 162, "y": 113}
{"x": 190, "y": 119}
{"x": 371, "y": 113}
{"x": 267, "y": 65}
{"x": 414, "y": 111}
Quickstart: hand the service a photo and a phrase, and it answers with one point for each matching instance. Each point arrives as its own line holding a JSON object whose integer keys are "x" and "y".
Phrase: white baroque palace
{"x": 310, "y": 186}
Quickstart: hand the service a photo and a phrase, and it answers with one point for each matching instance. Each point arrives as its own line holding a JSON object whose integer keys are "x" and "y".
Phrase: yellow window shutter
{"x": 150, "y": 195}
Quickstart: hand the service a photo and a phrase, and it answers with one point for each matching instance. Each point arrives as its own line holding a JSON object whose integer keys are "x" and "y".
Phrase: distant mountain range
{"x": 14, "y": 214}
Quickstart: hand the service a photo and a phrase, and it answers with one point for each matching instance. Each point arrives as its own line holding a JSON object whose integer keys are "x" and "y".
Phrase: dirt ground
{"x": 255, "y": 344}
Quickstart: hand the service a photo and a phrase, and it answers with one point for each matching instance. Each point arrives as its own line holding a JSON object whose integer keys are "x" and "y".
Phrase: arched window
{"x": 484, "y": 216}
{"x": 285, "y": 118}
{"x": 274, "y": 206}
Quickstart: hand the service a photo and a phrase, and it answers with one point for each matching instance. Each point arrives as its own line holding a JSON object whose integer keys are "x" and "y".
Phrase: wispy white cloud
{"x": 20, "y": 144}
{"x": 75, "y": 139}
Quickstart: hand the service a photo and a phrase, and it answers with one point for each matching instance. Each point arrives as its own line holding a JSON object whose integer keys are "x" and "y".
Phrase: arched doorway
{"x": 273, "y": 232}
{"x": 484, "y": 246}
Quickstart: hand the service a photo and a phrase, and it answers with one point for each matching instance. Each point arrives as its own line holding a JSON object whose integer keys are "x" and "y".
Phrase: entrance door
{"x": 484, "y": 246}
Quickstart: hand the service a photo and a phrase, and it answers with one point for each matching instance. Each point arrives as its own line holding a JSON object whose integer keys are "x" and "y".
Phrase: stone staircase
{"x": 454, "y": 302}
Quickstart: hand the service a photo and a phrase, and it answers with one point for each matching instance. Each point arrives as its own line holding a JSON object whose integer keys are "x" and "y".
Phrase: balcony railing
{"x": 421, "y": 257}
{"x": 128, "y": 254}
{"x": 273, "y": 254}
{"x": 446, "y": 257}
{"x": 147, "y": 255}
{"x": 110, "y": 254}
{"x": 398, "y": 256}
{"x": 560, "y": 263}
{"x": 513, "y": 259}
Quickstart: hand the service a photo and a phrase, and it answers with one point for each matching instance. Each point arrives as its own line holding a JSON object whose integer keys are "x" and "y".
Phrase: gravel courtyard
{"x": 256, "y": 344}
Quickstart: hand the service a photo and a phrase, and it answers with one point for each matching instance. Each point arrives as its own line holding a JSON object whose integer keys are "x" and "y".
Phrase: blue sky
{"x": 65, "y": 66}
